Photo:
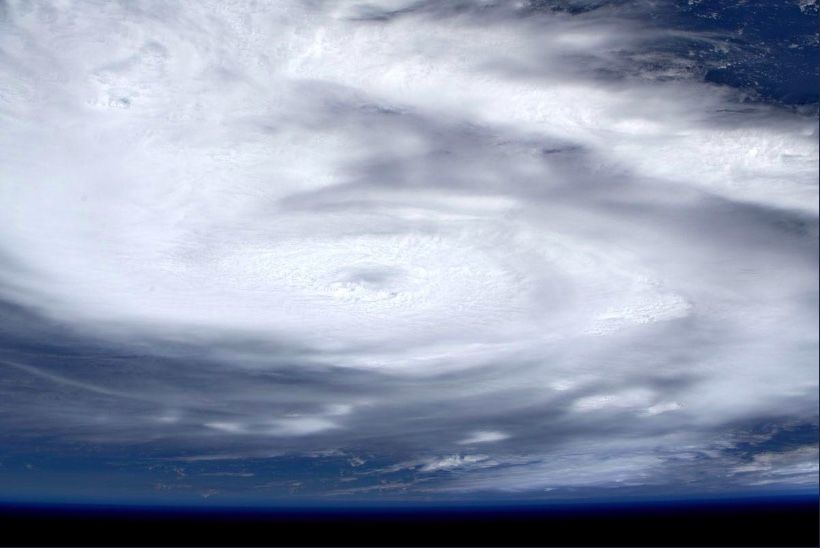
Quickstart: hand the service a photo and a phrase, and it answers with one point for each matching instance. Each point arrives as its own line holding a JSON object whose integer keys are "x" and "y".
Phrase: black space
{"x": 792, "y": 522}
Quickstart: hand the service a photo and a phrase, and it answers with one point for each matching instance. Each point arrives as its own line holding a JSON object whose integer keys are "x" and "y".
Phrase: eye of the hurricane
{"x": 372, "y": 282}
{"x": 373, "y": 276}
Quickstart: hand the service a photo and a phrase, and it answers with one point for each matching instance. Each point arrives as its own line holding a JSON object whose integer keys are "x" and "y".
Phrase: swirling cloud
{"x": 402, "y": 230}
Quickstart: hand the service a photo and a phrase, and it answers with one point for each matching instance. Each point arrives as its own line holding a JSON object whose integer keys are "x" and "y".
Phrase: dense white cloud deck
{"x": 411, "y": 189}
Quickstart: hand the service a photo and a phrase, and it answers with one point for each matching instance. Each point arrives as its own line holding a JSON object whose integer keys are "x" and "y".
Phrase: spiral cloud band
{"x": 444, "y": 247}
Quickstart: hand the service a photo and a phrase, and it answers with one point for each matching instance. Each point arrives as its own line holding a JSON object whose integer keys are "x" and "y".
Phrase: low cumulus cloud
{"x": 488, "y": 238}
